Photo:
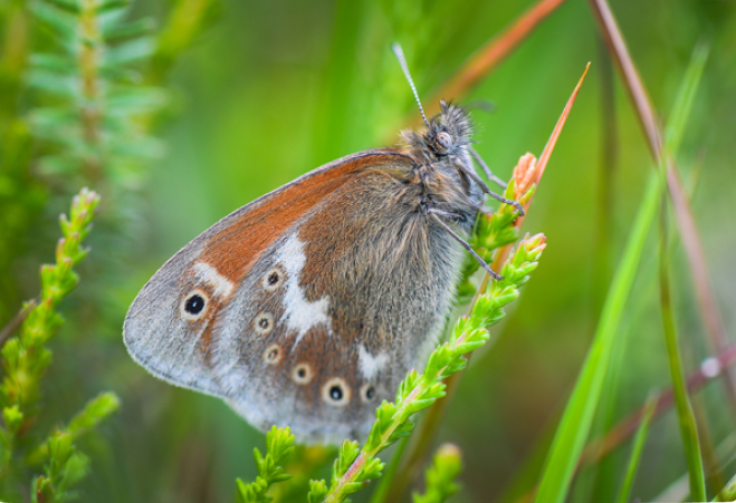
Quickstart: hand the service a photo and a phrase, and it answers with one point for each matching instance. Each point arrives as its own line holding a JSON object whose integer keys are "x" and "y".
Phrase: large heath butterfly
{"x": 307, "y": 306}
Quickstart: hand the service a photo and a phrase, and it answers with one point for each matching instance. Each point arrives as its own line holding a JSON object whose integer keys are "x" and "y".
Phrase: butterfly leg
{"x": 435, "y": 214}
{"x": 485, "y": 167}
{"x": 473, "y": 176}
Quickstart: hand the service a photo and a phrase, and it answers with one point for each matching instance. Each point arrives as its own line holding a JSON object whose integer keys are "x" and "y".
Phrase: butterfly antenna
{"x": 405, "y": 68}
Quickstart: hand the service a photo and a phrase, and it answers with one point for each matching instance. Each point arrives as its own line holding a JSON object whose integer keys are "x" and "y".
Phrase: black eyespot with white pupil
{"x": 370, "y": 393}
{"x": 194, "y": 306}
{"x": 336, "y": 392}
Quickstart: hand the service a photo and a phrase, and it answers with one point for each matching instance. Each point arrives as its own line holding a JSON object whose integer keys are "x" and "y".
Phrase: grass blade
{"x": 638, "y": 448}
{"x": 685, "y": 415}
{"x": 709, "y": 369}
{"x": 728, "y": 493}
{"x": 576, "y": 421}
{"x": 707, "y": 305}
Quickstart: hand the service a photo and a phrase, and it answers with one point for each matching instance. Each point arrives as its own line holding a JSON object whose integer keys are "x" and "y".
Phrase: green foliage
{"x": 492, "y": 231}
{"x": 279, "y": 445}
{"x": 446, "y": 466}
{"x": 25, "y": 359}
{"x": 95, "y": 104}
{"x": 66, "y": 466}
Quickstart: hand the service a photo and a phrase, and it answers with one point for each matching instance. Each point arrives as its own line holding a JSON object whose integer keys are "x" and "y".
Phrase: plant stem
{"x": 688, "y": 430}
{"x": 637, "y": 448}
{"x": 707, "y": 304}
{"x": 90, "y": 110}
{"x": 493, "y": 53}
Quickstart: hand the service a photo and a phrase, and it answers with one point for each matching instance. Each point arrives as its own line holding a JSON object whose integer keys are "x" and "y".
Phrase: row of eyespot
{"x": 195, "y": 304}
{"x": 335, "y": 391}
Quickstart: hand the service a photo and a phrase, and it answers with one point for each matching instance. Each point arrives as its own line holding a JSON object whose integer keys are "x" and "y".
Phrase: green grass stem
{"x": 685, "y": 415}
{"x": 638, "y": 448}
{"x": 578, "y": 417}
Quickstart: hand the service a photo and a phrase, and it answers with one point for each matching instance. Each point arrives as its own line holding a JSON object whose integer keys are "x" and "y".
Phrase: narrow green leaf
{"x": 574, "y": 427}
{"x": 638, "y": 447}
{"x": 62, "y": 22}
{"x": 128, "y": 30}
{"x": 685, "y": 415}
{"x": 728, "y": 493}
{"x": 578, "y": 417}
{"x": 71, "y": 6}
{"x": 129, "y": 52}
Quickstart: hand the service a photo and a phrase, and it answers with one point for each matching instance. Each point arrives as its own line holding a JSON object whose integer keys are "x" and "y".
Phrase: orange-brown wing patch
{"x": 232, "y": 250}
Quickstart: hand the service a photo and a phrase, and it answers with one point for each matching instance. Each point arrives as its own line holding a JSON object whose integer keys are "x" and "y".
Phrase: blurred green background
{"x": 269, "y": 90}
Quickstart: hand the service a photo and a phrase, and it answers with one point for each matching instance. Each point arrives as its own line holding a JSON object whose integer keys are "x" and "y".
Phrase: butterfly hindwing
{"x": 331, "y": 317}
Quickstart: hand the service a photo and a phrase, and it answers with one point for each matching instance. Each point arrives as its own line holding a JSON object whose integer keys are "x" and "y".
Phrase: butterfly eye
{"x": 272, "y": 355}
{"x": 443, "y": 141}
{"x": 194, "y": 305}
{"x": 263, "y": 323}
{"x": 368, "y": 392}
{"x": 302, "y": 373}
{"x": 336, "y": 392}
{"x": 273, "y": 279}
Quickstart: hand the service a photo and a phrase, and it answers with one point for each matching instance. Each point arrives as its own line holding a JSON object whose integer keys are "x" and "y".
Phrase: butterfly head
{"x": 448, "y": 134}
{"x": 449, "y": 131}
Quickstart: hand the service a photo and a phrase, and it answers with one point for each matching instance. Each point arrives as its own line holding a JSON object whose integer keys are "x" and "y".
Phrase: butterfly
{"x": 307, "y": 306}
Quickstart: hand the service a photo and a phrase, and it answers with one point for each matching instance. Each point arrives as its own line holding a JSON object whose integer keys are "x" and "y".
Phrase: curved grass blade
{"x": 577, "y": 419}
{"x": 708, "y": 307}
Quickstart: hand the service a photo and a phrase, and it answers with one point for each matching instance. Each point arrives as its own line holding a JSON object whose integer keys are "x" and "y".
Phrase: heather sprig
{"x": 354, "y": 467}
{"x": 95, "y": 101}
{"x": 26, "y": 357}
{"x": 65, "y": 464}
{"x": 492, "y": 231}
{"x": 446, "y": 466}
{"x": 279, "y": 445}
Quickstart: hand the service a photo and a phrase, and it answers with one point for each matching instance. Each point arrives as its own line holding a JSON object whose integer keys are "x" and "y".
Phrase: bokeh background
{"x": 269, "y": 90}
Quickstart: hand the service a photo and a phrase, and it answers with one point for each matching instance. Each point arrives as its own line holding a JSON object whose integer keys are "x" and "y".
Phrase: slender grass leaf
{"x": 578, "y": 416}
{"x": 638, "y": 448}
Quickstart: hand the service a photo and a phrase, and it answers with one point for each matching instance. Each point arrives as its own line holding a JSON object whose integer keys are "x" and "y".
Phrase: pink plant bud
{"x": 525, "y": 174}
{"x": 536, "y": 242}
